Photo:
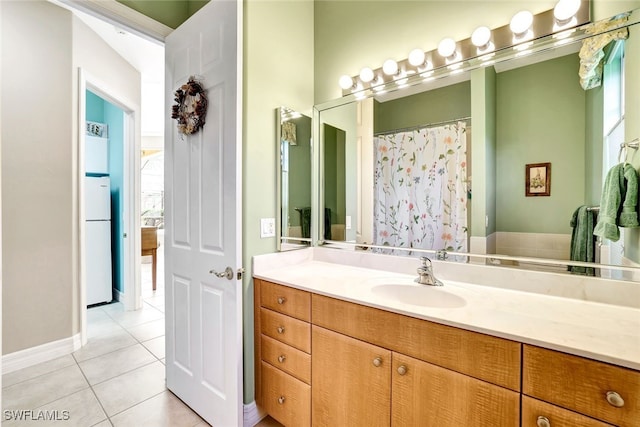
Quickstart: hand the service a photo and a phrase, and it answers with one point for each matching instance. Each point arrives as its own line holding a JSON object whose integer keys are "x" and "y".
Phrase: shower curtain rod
{"x": 428, "y": 125}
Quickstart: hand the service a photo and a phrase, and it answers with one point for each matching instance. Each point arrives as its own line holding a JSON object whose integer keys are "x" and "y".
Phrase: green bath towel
{"x": 583, "y": 243}
{"x": 618, "y": 203}
{"x": 629, "y": 215}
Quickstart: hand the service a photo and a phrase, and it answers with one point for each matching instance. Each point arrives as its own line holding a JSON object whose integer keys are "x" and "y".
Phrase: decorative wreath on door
{"x": 190, "y": 108}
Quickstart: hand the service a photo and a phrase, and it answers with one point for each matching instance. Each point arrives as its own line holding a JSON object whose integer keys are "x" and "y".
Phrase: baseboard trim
{"x": 119, "y": 296}
{"x": 252, "y": 414}
{"x": 39, "y": 354}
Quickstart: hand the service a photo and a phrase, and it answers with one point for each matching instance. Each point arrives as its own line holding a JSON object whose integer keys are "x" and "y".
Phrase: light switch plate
{"x": 267, "y": 227}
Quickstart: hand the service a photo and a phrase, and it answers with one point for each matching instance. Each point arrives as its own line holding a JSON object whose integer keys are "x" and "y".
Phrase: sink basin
{"x": 419, "y": 295}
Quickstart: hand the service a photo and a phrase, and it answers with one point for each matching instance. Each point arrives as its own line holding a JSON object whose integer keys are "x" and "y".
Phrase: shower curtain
{"x": 420, "y": 188}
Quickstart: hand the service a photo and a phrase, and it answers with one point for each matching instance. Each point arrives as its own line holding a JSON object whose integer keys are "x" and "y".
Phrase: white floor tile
{"x": 156, "y": 346}
{"x": 163, "y": 410}
{"x": 102, "y": 327}
{"x": 44, "y": 389}
{"x": 79, "y": 409}
{"x": 116, "y": 363}
{"x": 104, "y": 344}
{"x": 148, "y": 330}
{"x": 37, "y": 370}
{"x": 128, "y": 319}
{"x": 123, "y": 392}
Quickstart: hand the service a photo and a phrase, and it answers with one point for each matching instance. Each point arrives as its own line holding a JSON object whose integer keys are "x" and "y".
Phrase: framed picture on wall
{"x": 538, "y": 179}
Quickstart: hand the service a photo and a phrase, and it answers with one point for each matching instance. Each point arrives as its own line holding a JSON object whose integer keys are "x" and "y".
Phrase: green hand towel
{"x": 629, "y": 215}
{"x": 610, "y": 205}
{"x": 583, "y": 244}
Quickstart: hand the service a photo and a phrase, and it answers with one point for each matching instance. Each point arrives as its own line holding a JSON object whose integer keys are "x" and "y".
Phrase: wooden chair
{"x": 150, "y": 247}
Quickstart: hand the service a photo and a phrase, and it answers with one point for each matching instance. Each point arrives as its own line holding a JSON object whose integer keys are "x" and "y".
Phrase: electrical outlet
{"x": 267, "y": 227}
{"x": 348, "y": 222}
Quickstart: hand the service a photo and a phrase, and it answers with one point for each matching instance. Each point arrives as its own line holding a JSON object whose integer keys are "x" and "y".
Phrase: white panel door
{"x": 202, "y": 217}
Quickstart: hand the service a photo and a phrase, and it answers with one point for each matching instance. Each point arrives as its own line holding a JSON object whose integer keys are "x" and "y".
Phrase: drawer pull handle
{"x": 615, "y": 399}
{"x": 402, "y": 370}
{"x": 281, "y": 400}
{"x": 377, "y": 362}
{"x": 281, "y": 300}
{"x": 282, "y": 358}
{"x": 281, "y": 329}
{"x": 543, "y": 422}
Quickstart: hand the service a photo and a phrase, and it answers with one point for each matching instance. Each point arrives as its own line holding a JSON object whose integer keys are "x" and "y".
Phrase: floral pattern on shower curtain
{"x": 420, "y": 188}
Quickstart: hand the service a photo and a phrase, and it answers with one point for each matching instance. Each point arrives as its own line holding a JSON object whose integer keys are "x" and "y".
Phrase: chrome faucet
{"x": 425, "y": 273}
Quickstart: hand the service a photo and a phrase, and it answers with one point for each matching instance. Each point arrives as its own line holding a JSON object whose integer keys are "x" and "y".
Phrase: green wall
{"x": 300, "y": 169}
{"x": 334, "y": 173}
{"x": 594, "y": 103}
{"x": 171, "y": 13}
{"x": 632, "y": 124}
{"x": 540, "y": 118}
{"x": 483, "y": 152}
{"x": 278, "y": 70}
{"x": 350, "y": 35}
{"x": 438, "y": 105}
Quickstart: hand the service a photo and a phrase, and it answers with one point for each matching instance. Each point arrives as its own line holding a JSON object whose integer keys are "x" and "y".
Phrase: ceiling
{"x": 144, "y": 55}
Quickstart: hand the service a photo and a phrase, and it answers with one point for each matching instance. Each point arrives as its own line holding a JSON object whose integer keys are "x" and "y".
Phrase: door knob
{"x": 543, "y": 422}
{"x": 615, "y": 399}
{"x": 228, "y": 273}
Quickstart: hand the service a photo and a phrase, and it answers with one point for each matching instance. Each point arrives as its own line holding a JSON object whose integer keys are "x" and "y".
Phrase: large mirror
{"x": 462, "y": 164}
{"x": 293, "y": 144}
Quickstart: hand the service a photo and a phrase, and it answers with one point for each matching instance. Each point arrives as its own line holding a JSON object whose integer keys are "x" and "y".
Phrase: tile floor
{"x": 117, "y": 379}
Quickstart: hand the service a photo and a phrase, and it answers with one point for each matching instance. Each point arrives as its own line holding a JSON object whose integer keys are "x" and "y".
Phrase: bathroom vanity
{"x": 339, "y": 344}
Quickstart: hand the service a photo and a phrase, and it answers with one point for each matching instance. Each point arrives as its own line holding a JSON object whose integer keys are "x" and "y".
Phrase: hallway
{"x": 117, "y": 379}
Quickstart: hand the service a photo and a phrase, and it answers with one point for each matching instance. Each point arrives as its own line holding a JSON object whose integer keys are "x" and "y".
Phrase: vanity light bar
{"x": 502, "y": 38}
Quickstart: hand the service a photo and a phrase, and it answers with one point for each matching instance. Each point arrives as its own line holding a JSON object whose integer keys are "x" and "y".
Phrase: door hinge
{"x": 240, "y": 273}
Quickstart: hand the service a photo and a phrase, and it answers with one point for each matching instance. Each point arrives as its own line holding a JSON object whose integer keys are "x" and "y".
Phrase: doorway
{"x": 145, "y": 128}
{"x": 125, "y": 202}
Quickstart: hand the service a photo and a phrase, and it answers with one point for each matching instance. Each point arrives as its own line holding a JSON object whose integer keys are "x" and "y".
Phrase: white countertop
{"x": 603, "y": 332}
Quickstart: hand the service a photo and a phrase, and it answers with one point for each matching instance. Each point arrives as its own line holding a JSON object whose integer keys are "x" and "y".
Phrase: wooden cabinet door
{"x": 426, "y": 395}
{"x": 351, "y": 381}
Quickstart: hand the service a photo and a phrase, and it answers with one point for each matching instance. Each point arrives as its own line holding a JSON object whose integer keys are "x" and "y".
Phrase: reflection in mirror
{"x": 335, "y": 183}
{"x": 414, "y": 178}
{"x": 293, "y": 140}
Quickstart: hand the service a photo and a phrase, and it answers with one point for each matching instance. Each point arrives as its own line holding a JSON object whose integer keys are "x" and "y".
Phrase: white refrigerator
{"x": 98, "y": 239}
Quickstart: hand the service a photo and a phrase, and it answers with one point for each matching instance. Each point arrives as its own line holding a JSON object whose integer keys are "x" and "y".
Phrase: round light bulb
{"x": 390, "y": 67}
{"x": 345, "y": 82}
{"x": 416, "y": 57}
{"x": 366, "y": 75}
{"x": 566, "y": 9}
{"x": 447, "y": 47}
{"x": 481, "y": 36}
{"x": 521, "y": 22}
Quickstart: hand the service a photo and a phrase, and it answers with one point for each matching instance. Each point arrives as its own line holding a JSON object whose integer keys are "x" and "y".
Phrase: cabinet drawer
{"x": 488, "y": 358}
{"x": 582, "y": 385}
{"x": 285, "y": 300}
{"x": 287, "y": 358}
{"x": 427, "y": 395}
{"x": 286, "y": 329}
{"x": 285, "y": 398}
{"x": 532, "y": 409}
